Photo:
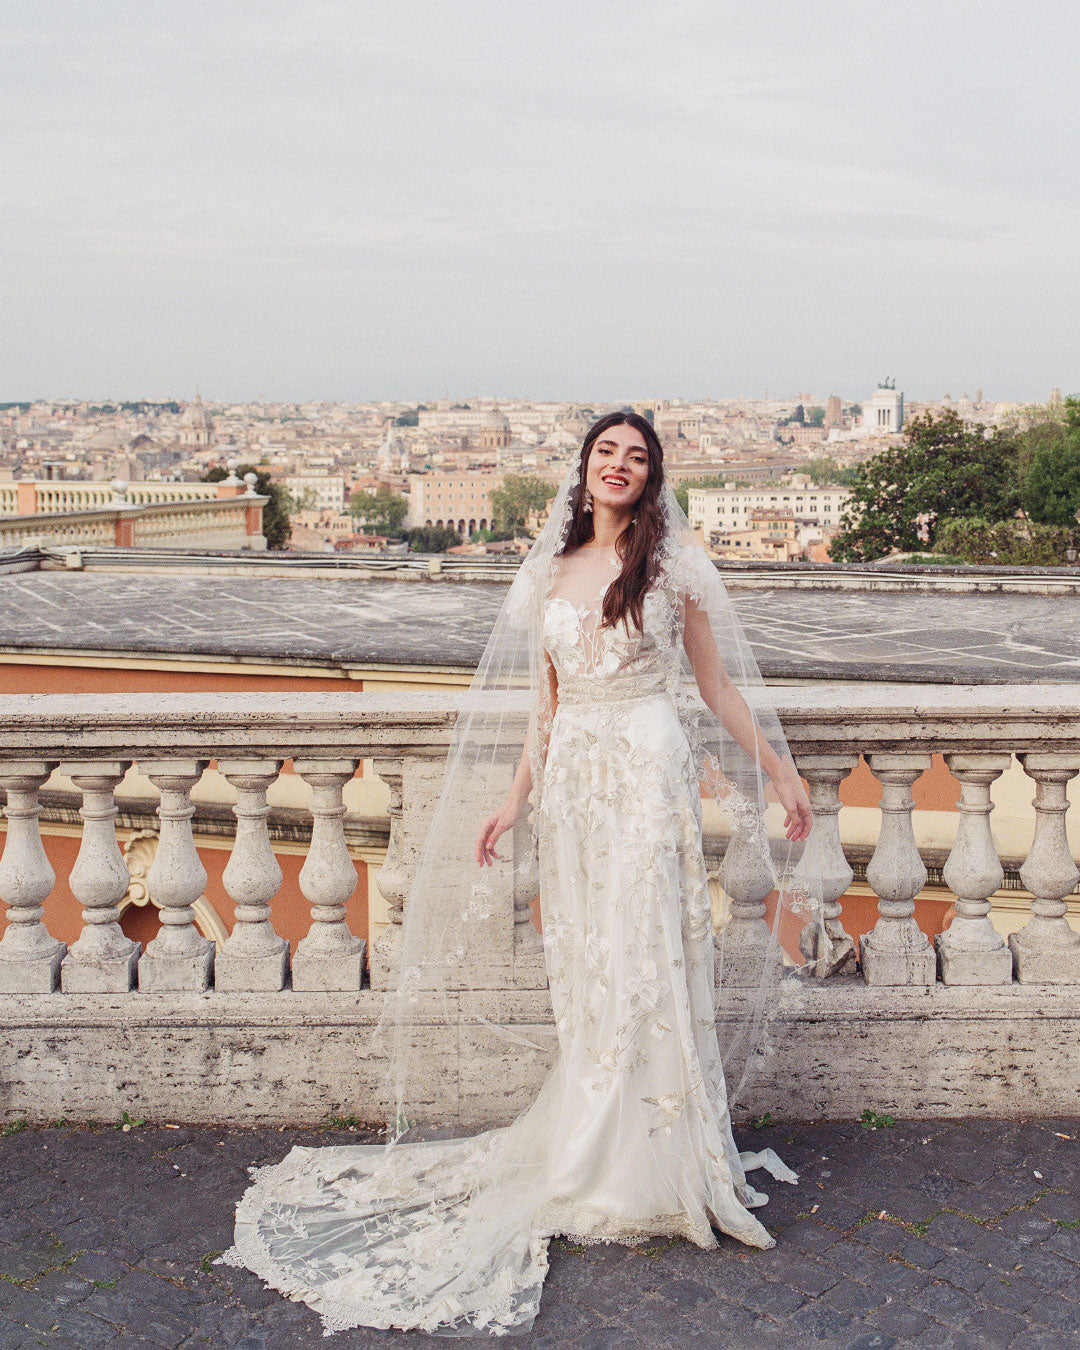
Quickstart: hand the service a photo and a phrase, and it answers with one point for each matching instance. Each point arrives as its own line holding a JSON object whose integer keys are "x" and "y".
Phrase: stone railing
{"x": 198, "y": 522}
{"x": 976, "y": 1026}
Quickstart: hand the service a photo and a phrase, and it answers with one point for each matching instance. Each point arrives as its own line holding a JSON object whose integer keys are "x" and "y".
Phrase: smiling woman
{"x": 619, "y": 662}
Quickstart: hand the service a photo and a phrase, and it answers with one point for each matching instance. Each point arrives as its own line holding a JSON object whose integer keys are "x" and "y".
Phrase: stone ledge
{"x": 836, "y": 1048}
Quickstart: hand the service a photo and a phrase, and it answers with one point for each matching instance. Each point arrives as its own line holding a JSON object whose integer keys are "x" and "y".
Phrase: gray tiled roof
{"x": 816, "y": 634}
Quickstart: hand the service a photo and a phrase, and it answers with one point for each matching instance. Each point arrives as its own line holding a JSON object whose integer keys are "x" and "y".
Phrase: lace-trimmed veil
{"x": 443, "y": 978}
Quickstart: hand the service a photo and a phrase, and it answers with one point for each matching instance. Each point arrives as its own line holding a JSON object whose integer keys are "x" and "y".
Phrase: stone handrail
{"x": 95, "y": 738}
{"x": 40, "y": 496}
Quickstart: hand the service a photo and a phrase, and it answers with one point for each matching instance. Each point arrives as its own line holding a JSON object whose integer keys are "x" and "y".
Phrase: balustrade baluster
{"x": 330, "y": 957}
{"x": 1047, "y": 950}
{"x": 29, "y": 956}
{"x": 971, "y": 950}
{"x": 102, "y": 960}
{"x": 828, "y": 948}
{"x": 745, "y": 944}
{"x": 390, "y": 878}
{"x": 897, "y": 951}
{"x": 254, "y": 957}
{"x": 179, "y": 957}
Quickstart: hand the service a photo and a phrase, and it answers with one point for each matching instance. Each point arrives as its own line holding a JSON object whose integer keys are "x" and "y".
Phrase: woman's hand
{"x": 490, "y": 831}
{"x": 795, "y": 802}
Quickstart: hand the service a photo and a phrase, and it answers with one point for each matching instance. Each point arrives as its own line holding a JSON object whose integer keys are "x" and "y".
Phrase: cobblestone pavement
{"x": 941, "y": 1234}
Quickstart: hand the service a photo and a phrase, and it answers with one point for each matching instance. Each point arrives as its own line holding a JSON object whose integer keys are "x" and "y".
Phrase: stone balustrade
{"x": 254, "y": 1036}
{"x": 191, "y": 515}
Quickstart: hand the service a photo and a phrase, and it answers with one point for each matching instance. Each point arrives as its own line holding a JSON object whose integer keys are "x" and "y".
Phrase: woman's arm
{"x": 520, "y": 788}
{"x": 723, "y": 697}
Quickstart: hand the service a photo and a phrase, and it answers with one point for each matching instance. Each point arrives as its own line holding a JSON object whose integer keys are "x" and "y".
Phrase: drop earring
{"x": 586, "y": 500}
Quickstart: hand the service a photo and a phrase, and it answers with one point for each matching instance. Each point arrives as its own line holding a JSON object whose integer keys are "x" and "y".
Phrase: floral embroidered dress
{"x": 630, "y": 1135}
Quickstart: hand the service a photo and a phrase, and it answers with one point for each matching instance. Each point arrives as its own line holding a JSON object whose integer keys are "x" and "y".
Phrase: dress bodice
{"x": 594, "y": 662}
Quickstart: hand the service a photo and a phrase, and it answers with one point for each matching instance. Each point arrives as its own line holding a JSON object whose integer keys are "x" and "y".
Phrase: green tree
{"x": 1009, "y": 543}
{"x": 379, "y": 512}
{"x": 824, "y": 469}
{"x": 943, "y": 468}
{"x": 277, "y": 527}
{"x": 432, "y": 539}
{"x": 516, "y": 497}
{"x": 800, "y": 415}
{"x": 407, "y": 419}
{"x": 815, "y": 417}
{"x": 1051, "y": 488}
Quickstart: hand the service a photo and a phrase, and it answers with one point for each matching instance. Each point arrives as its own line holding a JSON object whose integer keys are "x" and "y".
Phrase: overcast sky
{"x": 587, "y": 200}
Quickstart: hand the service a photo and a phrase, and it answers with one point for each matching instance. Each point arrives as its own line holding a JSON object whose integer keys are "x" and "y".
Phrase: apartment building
{"x": 730, "y": 508}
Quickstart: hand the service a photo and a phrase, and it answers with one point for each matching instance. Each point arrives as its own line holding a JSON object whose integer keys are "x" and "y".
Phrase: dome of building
{"x": 196, "y": 427}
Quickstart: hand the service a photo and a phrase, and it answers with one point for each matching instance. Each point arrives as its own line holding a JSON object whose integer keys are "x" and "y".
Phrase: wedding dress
{"x": 630, "y": 1136}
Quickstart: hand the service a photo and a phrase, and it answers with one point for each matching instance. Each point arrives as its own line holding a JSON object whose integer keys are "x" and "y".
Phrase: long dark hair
{"x": 637, "y": 546}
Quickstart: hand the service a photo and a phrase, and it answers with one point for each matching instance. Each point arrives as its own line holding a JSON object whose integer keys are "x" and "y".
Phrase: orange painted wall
{"x": 46, "y": 679}
{"x": 935, "y": 790}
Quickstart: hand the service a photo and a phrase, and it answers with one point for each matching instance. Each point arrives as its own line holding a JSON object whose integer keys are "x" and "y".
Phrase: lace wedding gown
{"x": 630, "y": 1135}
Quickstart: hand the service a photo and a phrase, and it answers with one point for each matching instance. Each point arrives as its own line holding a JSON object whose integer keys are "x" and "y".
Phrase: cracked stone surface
{"x": 941, "y": 1233}
{"x": 820, "y": 634}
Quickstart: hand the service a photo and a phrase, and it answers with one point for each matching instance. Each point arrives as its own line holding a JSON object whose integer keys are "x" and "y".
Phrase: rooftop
{"x": 827, "y": 632}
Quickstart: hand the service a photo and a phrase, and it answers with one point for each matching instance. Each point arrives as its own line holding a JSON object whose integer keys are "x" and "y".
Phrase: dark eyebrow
{"x": 615, "y": 445}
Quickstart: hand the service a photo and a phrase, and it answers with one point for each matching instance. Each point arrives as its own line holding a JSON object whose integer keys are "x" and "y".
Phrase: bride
{"x": 619, "y": 633}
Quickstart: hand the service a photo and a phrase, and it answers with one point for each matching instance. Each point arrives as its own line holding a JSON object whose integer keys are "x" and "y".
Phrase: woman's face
{"x": 618, "y": 467}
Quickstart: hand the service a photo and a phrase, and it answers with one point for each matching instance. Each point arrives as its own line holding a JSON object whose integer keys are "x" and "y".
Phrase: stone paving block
{"x": 86, "y": 1330}
{"x": 1040, "y": 1338}
{"x": 901, "y": 1321}
{"x": 837, "y": 1209}
{"x": 1047, "y": 1268}
{"x": 62, "y": 1289}
{"x": 808, "y": 1234}
{"x": 1058, "y": 1207}
{"x": 24, "y": 1262}
{"x": 882, "y": 1235}
{"x": 800, "y": 1272}
{"x": 13, "y": 1336}
{"x": 1011, "y": 1292}
{"x": 815, "y": 1324}
{"x": 657, "y": 1323}
{"x": 25, "y": 1307}
{"x": 992, "y": 1329}
{"x": 856, "y": 1259}
{"x": 1065, "y": 1242}
{"x": 1061, "y": 1313}
{"x": 851, "y": 1297}
{"x": 778, "y": 1300}
{"x": 563, "y": 1317}
{"x": 98, "y": 1266}
{"x": 945, "y": 1304}
{"x": 608, "y": 1338}
{"x": 685, "y": 1295}
{"x": 962, "y": 1272}
{"x": 916, "y": 1251}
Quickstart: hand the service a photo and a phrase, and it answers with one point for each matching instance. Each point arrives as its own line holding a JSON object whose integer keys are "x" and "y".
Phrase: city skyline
{"x": 349, "y": 203}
